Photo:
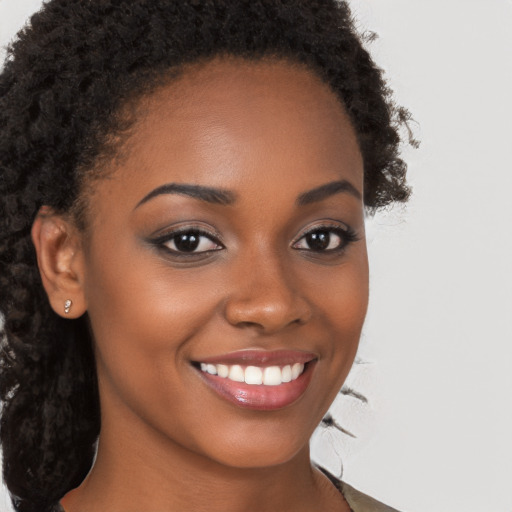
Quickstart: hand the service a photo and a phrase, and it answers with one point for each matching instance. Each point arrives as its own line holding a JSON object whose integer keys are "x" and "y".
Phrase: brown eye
{"x": 325, "y": 239}
{"x": 191, "y": 242}
{"x": 318, "y": 240}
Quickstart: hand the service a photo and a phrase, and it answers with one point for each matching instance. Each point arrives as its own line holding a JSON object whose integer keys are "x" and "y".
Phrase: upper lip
{"x": 261, "y": 358}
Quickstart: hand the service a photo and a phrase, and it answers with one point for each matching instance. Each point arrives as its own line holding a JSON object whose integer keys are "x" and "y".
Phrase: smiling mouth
{"x": 259, "y": 380}
{"x": 255, "y": 375}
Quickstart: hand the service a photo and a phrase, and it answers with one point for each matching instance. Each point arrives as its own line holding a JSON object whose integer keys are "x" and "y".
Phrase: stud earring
{"x": 67, "y": 306}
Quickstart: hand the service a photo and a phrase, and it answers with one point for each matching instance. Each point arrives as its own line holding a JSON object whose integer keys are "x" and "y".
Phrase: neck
{"x": 139, "y": 468}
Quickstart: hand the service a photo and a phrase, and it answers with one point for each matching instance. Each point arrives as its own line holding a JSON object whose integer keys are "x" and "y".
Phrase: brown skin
{"x": 267, "y": 132}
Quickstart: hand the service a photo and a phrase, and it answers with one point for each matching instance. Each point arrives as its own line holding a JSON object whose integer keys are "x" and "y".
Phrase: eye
{"x": 189, "y": 241}
{"x": 325, "y": 239}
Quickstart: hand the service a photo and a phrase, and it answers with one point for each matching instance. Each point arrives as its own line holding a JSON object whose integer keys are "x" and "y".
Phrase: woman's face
{"x": 228, "y": 239}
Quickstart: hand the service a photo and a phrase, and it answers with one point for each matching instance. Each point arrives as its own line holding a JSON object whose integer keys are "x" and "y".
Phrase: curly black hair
{"x": 65, "y": 81}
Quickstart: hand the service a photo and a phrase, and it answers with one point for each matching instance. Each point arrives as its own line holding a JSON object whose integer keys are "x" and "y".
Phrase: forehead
{"x": 231, "y": 122}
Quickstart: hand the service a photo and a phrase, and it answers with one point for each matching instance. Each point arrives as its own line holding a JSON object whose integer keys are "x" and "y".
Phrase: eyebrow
{"x": 208, "y": 194}
{"x": 226, "y": 197}
{"x": 325, "y": 191}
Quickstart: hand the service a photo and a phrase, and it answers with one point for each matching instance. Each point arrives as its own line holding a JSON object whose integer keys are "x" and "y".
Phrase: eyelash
{"x": 346, "y": 235}
{"x": 171, "y": 237}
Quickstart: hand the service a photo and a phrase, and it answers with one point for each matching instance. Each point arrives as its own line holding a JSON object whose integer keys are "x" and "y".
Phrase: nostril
{"x": 249, "y": 325}
{"x": 266, "y": 301}
{"x": 266, "y": 319}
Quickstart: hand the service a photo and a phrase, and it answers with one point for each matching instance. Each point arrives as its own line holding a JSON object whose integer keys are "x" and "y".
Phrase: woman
{"x": 184, "y": 272}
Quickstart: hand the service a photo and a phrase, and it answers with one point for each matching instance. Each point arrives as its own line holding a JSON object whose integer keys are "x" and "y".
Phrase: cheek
{"x": 342, "y": 311}
{"x": 142, "y": 316}
{"x": 348, "y": 302}
{"x": 143, "y": 322}
{"x": 340, "y": 294}
{"x": 143, "y": 300}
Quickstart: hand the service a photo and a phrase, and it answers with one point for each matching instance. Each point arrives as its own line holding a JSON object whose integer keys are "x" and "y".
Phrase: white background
{"x": 437, "y": 345}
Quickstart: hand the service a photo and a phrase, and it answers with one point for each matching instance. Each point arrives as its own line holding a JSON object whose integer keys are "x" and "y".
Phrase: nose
{"x": 266, "y": 297}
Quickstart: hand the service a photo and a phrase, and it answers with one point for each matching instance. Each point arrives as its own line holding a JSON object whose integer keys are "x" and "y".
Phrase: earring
{"x": 67, "y": 306}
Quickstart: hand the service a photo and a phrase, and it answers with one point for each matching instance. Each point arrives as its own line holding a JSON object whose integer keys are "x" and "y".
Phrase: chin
{"x": 261, "y": 452}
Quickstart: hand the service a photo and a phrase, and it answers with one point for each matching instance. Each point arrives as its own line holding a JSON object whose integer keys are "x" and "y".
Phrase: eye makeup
{"x": 194, "y": 242}
{"x": 319, "y": 238}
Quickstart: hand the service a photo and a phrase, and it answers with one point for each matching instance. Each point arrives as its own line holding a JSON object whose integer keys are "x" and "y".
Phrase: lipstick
{"x": 256, "y": 379}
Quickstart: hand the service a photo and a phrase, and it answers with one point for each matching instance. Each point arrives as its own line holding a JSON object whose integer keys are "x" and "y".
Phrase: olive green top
{"x": 360, "y": 502}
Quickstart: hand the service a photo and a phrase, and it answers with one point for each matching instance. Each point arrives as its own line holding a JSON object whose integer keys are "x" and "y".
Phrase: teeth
{"x": 222, "y": 370}
{"x": 254, "y": 375}
{"x": 272, "y": 376}
{"x": 286, "y": 373}
{"x": 236, "y": 373}
{"x": 297, "y": 369}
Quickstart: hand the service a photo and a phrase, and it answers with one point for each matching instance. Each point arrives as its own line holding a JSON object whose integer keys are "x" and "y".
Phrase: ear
{"x": 60, "y": 259}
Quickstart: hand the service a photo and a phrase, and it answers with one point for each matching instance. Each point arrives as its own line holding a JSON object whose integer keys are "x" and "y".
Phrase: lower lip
{"x": 260, "y": 397}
